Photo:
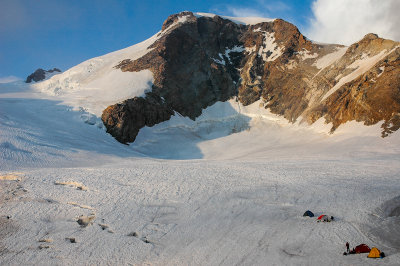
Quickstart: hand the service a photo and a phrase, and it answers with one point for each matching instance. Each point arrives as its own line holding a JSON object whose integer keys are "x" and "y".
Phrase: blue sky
{"x": 63, "y": 33}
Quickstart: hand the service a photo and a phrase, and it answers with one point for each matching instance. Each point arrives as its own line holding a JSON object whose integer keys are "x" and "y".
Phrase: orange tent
{"x": 374, "y": 253}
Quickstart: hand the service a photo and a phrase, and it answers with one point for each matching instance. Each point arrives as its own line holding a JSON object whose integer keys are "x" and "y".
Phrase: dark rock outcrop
{"x": 40, "y": 74}
{"x": 124, "y": 120}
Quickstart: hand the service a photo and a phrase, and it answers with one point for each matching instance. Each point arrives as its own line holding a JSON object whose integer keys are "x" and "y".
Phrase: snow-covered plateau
{"x": 227, "y": 189}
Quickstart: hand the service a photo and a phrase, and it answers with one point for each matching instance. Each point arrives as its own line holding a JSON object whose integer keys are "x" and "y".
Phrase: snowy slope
{"x": 95, "y": 84}
{"x": 330, "y": 58}
{"x": 30, "y": 120}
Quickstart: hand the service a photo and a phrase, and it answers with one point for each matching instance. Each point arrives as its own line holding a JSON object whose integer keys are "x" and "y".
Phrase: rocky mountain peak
{"x": 370, "y": 36}
{"x": 198, "y": 60}
{"x": 176, "y": 18}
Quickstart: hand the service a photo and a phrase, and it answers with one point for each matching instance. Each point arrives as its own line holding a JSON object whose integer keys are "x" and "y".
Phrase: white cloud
{"x": 8, "y": 79}
{"x": 253, "y": 8}
{"x": 244, "y": 12}
{"x": 345, "y": 22}
{"x": 273, "y": 6}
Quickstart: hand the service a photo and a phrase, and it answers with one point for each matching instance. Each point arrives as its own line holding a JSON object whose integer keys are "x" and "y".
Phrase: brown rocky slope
{"x": 200, "y": 60}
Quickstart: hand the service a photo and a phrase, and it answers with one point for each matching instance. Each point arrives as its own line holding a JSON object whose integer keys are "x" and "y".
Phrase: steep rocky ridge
{"x": 370, "y": 97}
{"x": 199, "y": 60}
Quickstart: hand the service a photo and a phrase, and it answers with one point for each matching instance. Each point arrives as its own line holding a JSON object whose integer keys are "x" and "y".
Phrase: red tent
{"x": 362, "y": 249}
{"x": 324, "y": 218}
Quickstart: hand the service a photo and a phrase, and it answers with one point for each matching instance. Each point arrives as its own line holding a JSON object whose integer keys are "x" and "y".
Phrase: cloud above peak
{"x": 244, "y": 12}
{"x": 8, "y": 79}
{"x": 345, "y": 22}
{"x": 254, "y": 8}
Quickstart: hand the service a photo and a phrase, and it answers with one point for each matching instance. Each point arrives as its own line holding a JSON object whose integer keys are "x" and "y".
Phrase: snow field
{"x": 203, "y": 212}
{"x": 329, "y": 59}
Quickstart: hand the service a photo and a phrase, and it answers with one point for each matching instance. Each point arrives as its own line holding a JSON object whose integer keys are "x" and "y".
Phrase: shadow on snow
{"x": 40, "y": 129}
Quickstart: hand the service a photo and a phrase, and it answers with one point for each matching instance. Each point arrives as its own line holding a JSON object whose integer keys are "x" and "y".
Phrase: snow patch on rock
{"x": 329, "y": 59}
{"x": 269, "y": 50}
{"x": 382, "y": 69}
{"x": 236, "y": 49}
{"x": 219, "y": 61}
{"x": 304, "y": 54}
{"x": 180, "y": 20}
{"x": 361, "y": 66}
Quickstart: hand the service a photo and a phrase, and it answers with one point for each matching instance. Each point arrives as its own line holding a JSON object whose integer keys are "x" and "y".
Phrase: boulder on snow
{"x": 85, "y": 220}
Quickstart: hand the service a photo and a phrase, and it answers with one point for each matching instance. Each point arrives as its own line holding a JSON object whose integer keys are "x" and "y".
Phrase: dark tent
{"x": 308, "y": 213}
{"x": 363, "y": 248}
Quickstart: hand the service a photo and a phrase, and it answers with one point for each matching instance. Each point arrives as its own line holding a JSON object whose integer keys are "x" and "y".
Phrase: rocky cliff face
{"x": 371, "y": 96}
{"x": 199, "y": 60}
{"x": 187, "y": 75}
{"x": 124, "y": 120}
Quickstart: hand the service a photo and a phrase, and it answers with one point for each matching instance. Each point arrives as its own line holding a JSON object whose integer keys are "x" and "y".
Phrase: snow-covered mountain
{"x": 230, "y": 149}
{"x": 198, "y": 59}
